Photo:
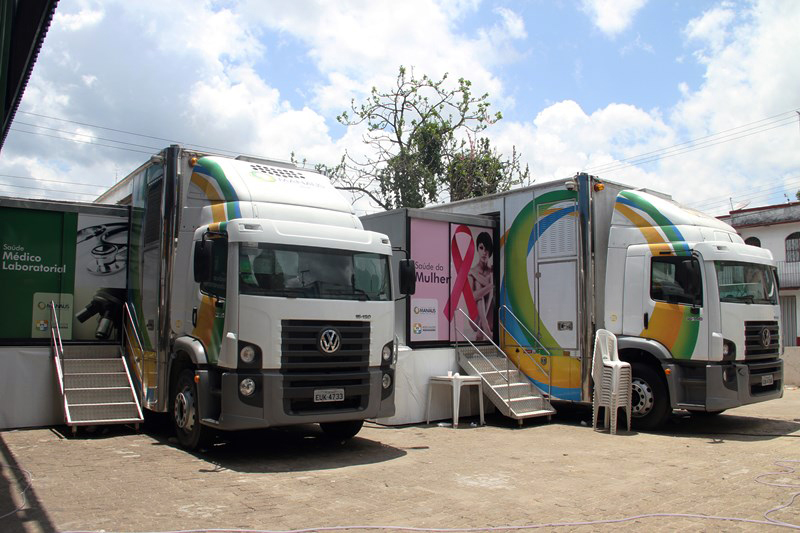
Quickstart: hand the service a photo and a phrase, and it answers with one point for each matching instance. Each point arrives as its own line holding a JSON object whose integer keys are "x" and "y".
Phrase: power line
{"x": 126, "y": 132}
{"x": 85, "y": 135}
{"x": 786, "y": 115}
{"x": 688, "y": 146}
{"x": 752, "y": 196}
{"x": 53, "y": 181}
{"x": 81, "y": 142}
{"x": 46, "y": 189}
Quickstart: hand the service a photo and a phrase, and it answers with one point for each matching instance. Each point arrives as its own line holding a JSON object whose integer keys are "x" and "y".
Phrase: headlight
{"x": 248, "y": 354}
{"x": 386, "y": 353}
{"x": 247, "y": 386}
{"x": 386, "y": 381}
{"x": 728, "y": 350}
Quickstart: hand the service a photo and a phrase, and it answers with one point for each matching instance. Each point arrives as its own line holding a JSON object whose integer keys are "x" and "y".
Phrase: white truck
{"x": 696, "y": 310}
{"x": 255, "y": 297}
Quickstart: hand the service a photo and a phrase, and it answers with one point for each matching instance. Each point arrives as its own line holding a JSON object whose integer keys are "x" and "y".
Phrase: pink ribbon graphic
{"x": 461, "y": 284}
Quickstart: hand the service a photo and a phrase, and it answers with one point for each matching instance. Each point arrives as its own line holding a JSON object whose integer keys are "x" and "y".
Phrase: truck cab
{"x": 696, "y": 310}
{"x": 296, "y": 324}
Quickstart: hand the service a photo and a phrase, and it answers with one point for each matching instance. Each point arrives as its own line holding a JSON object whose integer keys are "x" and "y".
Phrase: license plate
{"x": 767, "y": 380}
{"x": 329, "y": 395}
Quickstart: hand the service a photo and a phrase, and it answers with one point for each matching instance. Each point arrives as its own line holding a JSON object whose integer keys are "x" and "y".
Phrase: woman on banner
{"x": 481, "y": 278}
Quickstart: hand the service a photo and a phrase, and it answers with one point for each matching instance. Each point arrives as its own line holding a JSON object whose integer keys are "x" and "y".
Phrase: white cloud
{"x": 712, "y": 27}
{"x": 363, "y": 43}
{"x": 513, "y": 25}
{"x": 747, "y": 79}
{"x": 90, "y": 14}
{"x": 612, "y": 17}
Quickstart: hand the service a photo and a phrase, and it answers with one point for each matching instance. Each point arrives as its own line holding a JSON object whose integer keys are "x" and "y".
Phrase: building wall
{"x": 772, "y": 225}
{"x": 773, "y": 238}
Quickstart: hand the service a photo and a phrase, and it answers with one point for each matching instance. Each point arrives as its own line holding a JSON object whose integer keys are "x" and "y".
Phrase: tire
{"x": 190, "y": 432}
{"x": 341, "y": 430}
{"x": 650, "y": 407}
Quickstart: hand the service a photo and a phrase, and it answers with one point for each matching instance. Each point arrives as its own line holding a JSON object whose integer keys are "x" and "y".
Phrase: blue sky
{"x": 582, "y": 85}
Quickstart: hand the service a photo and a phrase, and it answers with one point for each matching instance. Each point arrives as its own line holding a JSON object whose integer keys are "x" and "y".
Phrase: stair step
{"x": 91, "y": 351}
{"x": 104, "y": 412}
{"x": 93, "y": 366}
{"x": 104, "y": 395}
{"x": 513, "y": 391}
{"x": 498, "y": 379}
{"x": 528, "y": 405}
{"x": 96, "y": 381}
{"x": 532, "y": 414}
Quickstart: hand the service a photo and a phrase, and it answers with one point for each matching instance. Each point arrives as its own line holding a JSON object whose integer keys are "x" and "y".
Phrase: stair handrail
{"x": 58, "y": 356}
{"x": 126, "y": 322}
{"x": 499, "y": 350}
{"x": 529, "y": 356}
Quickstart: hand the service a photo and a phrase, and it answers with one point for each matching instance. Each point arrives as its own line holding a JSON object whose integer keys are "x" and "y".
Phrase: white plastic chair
{"x": 612, "y": 381}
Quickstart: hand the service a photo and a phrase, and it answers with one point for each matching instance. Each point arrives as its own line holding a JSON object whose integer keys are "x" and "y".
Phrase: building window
{"x": 793, "y": 247}
{"x": 753, "y": 241}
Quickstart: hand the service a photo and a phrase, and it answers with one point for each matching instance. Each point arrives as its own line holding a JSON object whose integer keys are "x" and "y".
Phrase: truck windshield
{"x": 746, "y": 283}
{"x": 303, "y": 272}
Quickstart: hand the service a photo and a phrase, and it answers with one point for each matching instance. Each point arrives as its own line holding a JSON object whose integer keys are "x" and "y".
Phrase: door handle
{"x": 646, "y": 321}
{"x": 194, "y": 316}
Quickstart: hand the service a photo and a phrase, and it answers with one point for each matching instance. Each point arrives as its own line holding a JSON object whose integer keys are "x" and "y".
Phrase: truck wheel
{"x": 341, "y": 430}
{"x": 190, "y": 432}
{"x": 650, "y": 406}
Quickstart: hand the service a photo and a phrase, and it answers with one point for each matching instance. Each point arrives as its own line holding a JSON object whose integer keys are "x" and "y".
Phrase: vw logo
{"x": 329, "y": 340}
{"x": 766, "y": 337}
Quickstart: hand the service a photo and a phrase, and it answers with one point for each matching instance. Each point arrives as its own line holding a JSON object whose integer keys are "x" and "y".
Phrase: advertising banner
{"x": 454, "y": 265}
{"x": 472, "y": 287}
{"x": 75, "y": 260}
{"x": 428, "y": 321}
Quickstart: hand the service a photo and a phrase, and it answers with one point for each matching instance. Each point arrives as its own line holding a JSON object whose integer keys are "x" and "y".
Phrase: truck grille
{"x": 306, "y": 368}
{"x": 761, "y": 339}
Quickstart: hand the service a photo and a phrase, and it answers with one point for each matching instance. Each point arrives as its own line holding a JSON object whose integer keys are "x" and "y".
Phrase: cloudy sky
{"x": 696, "y": 98}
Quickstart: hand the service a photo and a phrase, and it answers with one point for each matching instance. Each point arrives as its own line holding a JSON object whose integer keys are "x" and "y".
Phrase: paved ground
{"x": 420, "y": 476}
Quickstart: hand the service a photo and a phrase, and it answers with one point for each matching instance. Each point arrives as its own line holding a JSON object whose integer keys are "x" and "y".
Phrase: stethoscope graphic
{"x": 109, "y": 256}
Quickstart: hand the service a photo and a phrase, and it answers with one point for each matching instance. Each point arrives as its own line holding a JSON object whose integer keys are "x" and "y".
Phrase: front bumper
{"x": 274, "y": 404}
{"x": 715, "y": 387}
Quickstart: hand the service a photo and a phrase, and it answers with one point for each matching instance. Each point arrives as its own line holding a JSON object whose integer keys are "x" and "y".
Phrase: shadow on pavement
{"x": 14, "y": 486}
{"x": 726, "y": 426}
{"x": 290, "y": 449}
{"x": 721, "y": 427}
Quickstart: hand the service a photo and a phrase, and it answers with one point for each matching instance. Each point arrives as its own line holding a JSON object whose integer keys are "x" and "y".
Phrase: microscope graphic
{"x": 108, "y": 304}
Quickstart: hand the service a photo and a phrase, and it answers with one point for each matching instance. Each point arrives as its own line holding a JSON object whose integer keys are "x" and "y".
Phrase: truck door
{"x": 147, "y": 271}
{"x": 673, "y": 303}
{"x": 556, "y": 271}
{"x": 208, "y": 315}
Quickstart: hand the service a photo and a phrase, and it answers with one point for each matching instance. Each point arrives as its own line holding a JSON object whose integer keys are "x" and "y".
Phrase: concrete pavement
{"x": 415, "y": 476}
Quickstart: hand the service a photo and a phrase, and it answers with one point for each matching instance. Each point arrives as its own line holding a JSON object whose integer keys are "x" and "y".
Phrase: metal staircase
{"x": 506, "y": 386}
{"x": 95, "y": 383}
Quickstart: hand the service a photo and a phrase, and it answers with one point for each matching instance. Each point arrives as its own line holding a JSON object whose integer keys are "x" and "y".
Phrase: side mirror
{"x": 408, "y": 276}
{"x": 202, "y": 261}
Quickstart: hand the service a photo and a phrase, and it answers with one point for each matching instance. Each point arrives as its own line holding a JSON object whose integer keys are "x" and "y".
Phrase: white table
{"x": 456, "y": 381}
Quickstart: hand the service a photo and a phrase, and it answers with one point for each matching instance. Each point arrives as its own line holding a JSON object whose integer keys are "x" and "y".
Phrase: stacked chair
{"x": 612, "y": 381}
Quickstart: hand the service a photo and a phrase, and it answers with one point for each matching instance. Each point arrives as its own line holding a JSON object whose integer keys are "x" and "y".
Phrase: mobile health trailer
{"x": 70, "y": 254}
{"x": 457, "y": 287}
{"x": 695, "y": 309}
{"x": 255, "y": 297}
